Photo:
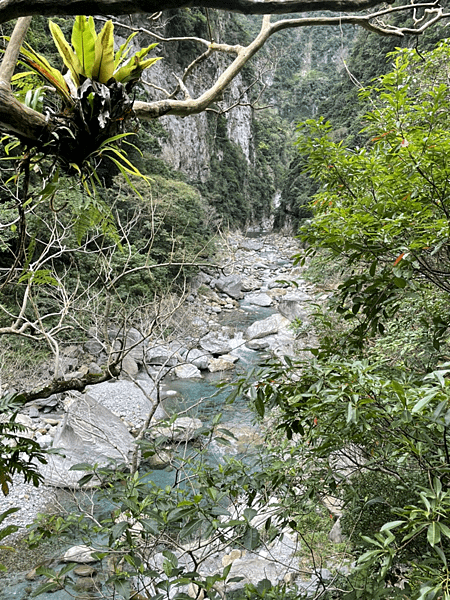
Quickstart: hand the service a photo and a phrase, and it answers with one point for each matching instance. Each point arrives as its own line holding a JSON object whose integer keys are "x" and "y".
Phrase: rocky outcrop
{"x": 266, "y": 327}
{"x": 89, "y": 433}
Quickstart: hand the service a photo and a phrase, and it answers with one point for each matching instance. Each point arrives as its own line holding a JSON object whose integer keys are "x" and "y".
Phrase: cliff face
{"x": 237, "y": 158}
{"x": 190, "y": 142}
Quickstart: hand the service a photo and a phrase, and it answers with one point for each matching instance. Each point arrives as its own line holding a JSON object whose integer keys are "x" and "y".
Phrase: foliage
{"x": 348, "y": 418}
{"x": 151, "y": 538}
{"x": 20, "y": 456}
{"x": 367, "y": 417}
{"x": 342, "y": 105}
{"x": 384, "y": 206}
{"x": 91, "y": 56}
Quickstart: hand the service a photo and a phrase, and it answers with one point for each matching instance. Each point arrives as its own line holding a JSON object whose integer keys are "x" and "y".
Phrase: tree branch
{"x": 183, "y": 108}
{"x": 12, "y": 51}
{"x": 12, "y": 9}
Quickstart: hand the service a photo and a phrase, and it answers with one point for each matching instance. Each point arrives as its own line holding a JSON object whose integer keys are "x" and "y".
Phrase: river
{"x": 259, "y": 263}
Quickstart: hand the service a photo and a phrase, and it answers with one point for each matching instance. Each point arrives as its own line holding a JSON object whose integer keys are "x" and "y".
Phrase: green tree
{"x": 372, "y": 432}
{"x": 384, "y": 207}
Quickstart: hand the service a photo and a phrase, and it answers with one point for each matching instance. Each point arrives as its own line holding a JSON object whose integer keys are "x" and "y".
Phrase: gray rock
{"x": 231, "y": 286}
{"x": 259, "y": 299}
{"x": 25, "y": 420}
{"x": 79, "y": 554}
{"x": 252, "y": 570}
{"x": 200, "y": 279}
{"x": 125, "y": 399}
{"x": 292, "y": 309}
{"x": 249, "y": 284}
{"x": 224, "y": 363}
{"x": 266, "y": 327}
{"x": 132, "y": 341}
{"x": 215, "y": 343}
{"x": 187, "y": 371}
{"x": 95, "y": 369}
{"x": 258, "y": 344}
{"x": 44, "y": 441}
{"x": 277, "y": 284}
{"x": 182, "y": 429}
{"x": 93, "y": 347}
{"x": 197, "y": 357}
{"x": 89, "y": 433}
{"x": 130, "y": 366}
{"x": 161, "y": 355}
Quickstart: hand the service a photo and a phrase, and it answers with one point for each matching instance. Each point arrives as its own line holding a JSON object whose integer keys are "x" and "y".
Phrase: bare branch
{"x": 12, "y": 51}
{"x": 152, "y": 110}
{"x": 12, "y": 9}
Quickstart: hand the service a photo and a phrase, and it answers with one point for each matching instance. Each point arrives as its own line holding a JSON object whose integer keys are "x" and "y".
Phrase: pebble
{"x": 29, "y": 499}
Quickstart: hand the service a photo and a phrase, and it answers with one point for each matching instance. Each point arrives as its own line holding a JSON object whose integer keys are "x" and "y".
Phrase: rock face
{"x": 126, "y": 400}
{"x": 215, "y": 343}
{"x": 89, "y": 433}
{"x": 231, "y": 286}
{"x": 266, "y": 327}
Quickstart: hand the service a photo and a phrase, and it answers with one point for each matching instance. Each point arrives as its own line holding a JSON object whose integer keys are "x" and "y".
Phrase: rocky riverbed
{"x": 245, "y": 307}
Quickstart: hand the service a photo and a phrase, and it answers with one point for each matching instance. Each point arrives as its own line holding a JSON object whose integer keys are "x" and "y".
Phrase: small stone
{"x": 51, "y": 421}
{"x": 84, "y": 571}
{"x": 229, "y": 558}
{"x": 31, "y": 575}
{"x": 290, "y": 577}
{"x": 79, "y": 554}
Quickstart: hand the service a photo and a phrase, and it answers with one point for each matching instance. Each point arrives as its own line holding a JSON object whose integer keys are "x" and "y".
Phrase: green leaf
{"x": 433, "y": 534}
{"x": 103, "y": 68}
{"x": 259, "y": 403}
{"x": 43, "y": 68}
{"x": 391, "y": 525}
{"x": 251, "y": 539}
{"x": 425, "y": 400}
{"x": 8, "y": 512}
{"x": 8, "y": 530}
{"x": 48, "y": 586}
{"x": 123, "y": 51}
{"x": 84, "y": 37}
{"x": 133, "y": 69}
{"x": 69, "y": 57}
{"x": 118, "y": 530}
{"x": 441, "y": 555}
{"x": 444, "y": 529}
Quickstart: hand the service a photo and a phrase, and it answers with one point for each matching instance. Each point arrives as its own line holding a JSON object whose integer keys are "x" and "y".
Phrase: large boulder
{"x": 259, "y": 299}
{"x": 231, "y": 286}
{"x": 215, "y": 343}
{"x": 131, "y": 342}
{"x": 161, "y": 355}
{"x": 187, "y": 371}
{"x": 197, "y": 357}
{"x": 128, "y": 400}
{"x": 224, "y": 363}
{"x": 266, "y": 327}
{"x": 89, "y": 433}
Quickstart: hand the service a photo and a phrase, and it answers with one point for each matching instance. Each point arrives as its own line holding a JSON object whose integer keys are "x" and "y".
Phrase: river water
{"x": 15, "y": 586}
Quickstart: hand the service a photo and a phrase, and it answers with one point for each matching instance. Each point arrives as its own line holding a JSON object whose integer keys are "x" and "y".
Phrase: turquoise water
{"x": 201, "y": 399}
